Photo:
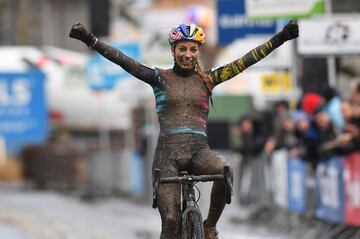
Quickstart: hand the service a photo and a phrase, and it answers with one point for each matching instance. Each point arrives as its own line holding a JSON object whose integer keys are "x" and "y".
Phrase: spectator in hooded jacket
{"x": 332, "y": 106}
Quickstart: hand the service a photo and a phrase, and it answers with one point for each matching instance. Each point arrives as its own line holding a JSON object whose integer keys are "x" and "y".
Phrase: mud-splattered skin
{"x": 182, "y": 104}
{"x": 182, "y": 98}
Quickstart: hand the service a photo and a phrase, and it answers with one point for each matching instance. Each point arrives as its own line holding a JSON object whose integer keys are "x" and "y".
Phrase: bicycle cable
{"x": 198, "y": 190}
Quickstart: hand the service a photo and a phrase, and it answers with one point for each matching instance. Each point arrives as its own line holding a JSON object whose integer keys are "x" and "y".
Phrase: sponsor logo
{"x": 337, "y": 33}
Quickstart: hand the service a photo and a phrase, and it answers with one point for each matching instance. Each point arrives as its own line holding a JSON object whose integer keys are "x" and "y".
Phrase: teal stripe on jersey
{"x": 184, "y": 130}
{"x": 159, "y": 108}
{"x": 160, "y": 99}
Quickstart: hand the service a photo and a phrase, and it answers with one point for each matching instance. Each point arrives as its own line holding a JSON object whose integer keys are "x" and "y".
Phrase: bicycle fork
{"x": 192, "y": 222}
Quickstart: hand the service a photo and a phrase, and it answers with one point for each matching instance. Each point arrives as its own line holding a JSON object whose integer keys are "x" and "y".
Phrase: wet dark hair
{"x": 243, "y": 119}
{"x": 205, "y": 77}
{"x": 282, "y": 103}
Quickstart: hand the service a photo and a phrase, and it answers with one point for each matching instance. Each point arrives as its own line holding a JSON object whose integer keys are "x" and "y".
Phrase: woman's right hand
{"x": 78, "y": 31}
{"x": 290, "y": 31}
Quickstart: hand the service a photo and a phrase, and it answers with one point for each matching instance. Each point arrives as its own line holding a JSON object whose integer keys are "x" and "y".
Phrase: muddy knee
{"x": 208, "y": 162}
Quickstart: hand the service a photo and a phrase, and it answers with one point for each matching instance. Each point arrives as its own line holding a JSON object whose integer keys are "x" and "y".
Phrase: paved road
{"x": 28, "y": 214}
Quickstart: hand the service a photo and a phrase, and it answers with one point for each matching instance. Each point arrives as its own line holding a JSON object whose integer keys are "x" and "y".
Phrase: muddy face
{"x": 186, "y": 54}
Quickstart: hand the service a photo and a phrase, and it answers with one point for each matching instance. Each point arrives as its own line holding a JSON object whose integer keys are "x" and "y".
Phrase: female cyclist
{"x": 182, "y": 103}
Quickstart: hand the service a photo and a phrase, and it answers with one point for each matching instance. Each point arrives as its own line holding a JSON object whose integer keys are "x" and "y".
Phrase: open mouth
{"x": 187, "y": 63}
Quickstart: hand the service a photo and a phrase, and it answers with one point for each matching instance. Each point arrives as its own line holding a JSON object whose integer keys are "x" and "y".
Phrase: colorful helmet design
{"x": 186, "y": 32}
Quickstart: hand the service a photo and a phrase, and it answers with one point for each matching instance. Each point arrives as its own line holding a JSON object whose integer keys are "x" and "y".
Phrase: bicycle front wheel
{"x": 192, "y": 225}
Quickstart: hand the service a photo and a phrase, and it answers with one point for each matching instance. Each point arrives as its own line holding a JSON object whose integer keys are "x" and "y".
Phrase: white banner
{"x": 283, "y": 8}
{"x": 339, "y": 35}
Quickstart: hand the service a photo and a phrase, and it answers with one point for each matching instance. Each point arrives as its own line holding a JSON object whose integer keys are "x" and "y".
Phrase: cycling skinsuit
{"x": 182, "y": 105}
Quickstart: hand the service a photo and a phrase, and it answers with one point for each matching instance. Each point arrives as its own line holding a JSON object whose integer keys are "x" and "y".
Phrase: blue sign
{"x": 330, "y": 190}
{"x": 137, "y": 177}
{"x": 233, "y": 24}
{"x": 104, "y": 74}
{"x": 296, "y": 185}
{"x": 23, "y": 114}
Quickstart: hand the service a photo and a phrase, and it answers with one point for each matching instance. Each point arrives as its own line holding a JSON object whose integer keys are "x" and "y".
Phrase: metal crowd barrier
{"x": 304, "y": 203}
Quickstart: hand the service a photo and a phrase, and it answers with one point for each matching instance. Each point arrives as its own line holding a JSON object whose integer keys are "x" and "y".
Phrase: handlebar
{"x": 227, "y": 177}
{"x": 192, "y": 178}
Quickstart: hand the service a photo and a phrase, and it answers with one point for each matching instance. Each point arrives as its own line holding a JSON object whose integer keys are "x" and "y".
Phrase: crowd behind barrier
{"x": 305, "y": 165}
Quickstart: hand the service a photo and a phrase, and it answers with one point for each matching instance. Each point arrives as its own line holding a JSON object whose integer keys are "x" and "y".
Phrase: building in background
{"x": 41, "y": 22}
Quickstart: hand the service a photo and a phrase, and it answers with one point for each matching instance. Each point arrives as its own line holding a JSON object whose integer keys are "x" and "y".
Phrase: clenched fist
{"x": 290, "y": 31}
{"x": 78, "y": 31}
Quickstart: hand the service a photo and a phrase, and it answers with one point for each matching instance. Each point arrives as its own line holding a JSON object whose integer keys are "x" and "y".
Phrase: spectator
{"x": 252, "y": 142}
{"x": 285, "y": 137}
{"x": 280, "y": 110}
{"x": 332, "y": 106}
{"x": 308, "y": 137}
{"x": 349, "y": 140}
{"x": 311, "y": 102}
{"x": 327, "y": 134}
{"x": 355, "y": 99}
{"x": 355, "y": 93}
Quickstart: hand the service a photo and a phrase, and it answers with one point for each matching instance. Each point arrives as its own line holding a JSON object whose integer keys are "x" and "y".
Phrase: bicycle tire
{"x": 192, "y": 225}
{"x": 198, "y": 227}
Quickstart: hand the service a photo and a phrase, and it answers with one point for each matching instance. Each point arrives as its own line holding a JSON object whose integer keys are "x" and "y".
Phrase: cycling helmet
{"x": 187, "y": 32}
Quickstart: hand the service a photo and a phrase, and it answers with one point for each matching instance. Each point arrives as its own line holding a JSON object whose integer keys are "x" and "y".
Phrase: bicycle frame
{"x": 189, "y": 208}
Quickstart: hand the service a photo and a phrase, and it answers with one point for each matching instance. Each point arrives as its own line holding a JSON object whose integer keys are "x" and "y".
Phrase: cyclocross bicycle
{"x": 191, "y": 219}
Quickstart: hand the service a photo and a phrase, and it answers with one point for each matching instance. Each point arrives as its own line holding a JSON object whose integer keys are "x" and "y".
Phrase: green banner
{"x": 275, "y": 9}
{"x": 230, "y": 108}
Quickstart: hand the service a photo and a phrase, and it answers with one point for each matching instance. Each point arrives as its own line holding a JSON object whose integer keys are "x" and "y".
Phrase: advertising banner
{"x": 296, "y": 185}
{"x": 276, "y": 82}
{"x": 279, "y": 176}
{"x": 23, "y": 113}
{"x": 104, "y": 74}
{"x": 2, "y": 151}
{"x": 137, "y": 176}
{"x": 352, "y": 189}
{"x": 336, "y": 35}
{"x": 233, "y": 24}
{"x": 284, "y": 8}
{"x": 330, "y": 190}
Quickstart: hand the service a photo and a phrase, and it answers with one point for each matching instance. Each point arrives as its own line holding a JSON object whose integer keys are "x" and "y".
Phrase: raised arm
{"x": 135, "y": 68}
{"x": 228, "y": 71}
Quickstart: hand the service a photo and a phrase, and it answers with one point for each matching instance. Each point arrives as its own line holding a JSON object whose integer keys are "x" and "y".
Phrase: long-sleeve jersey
{"x": 182, "y": 100}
